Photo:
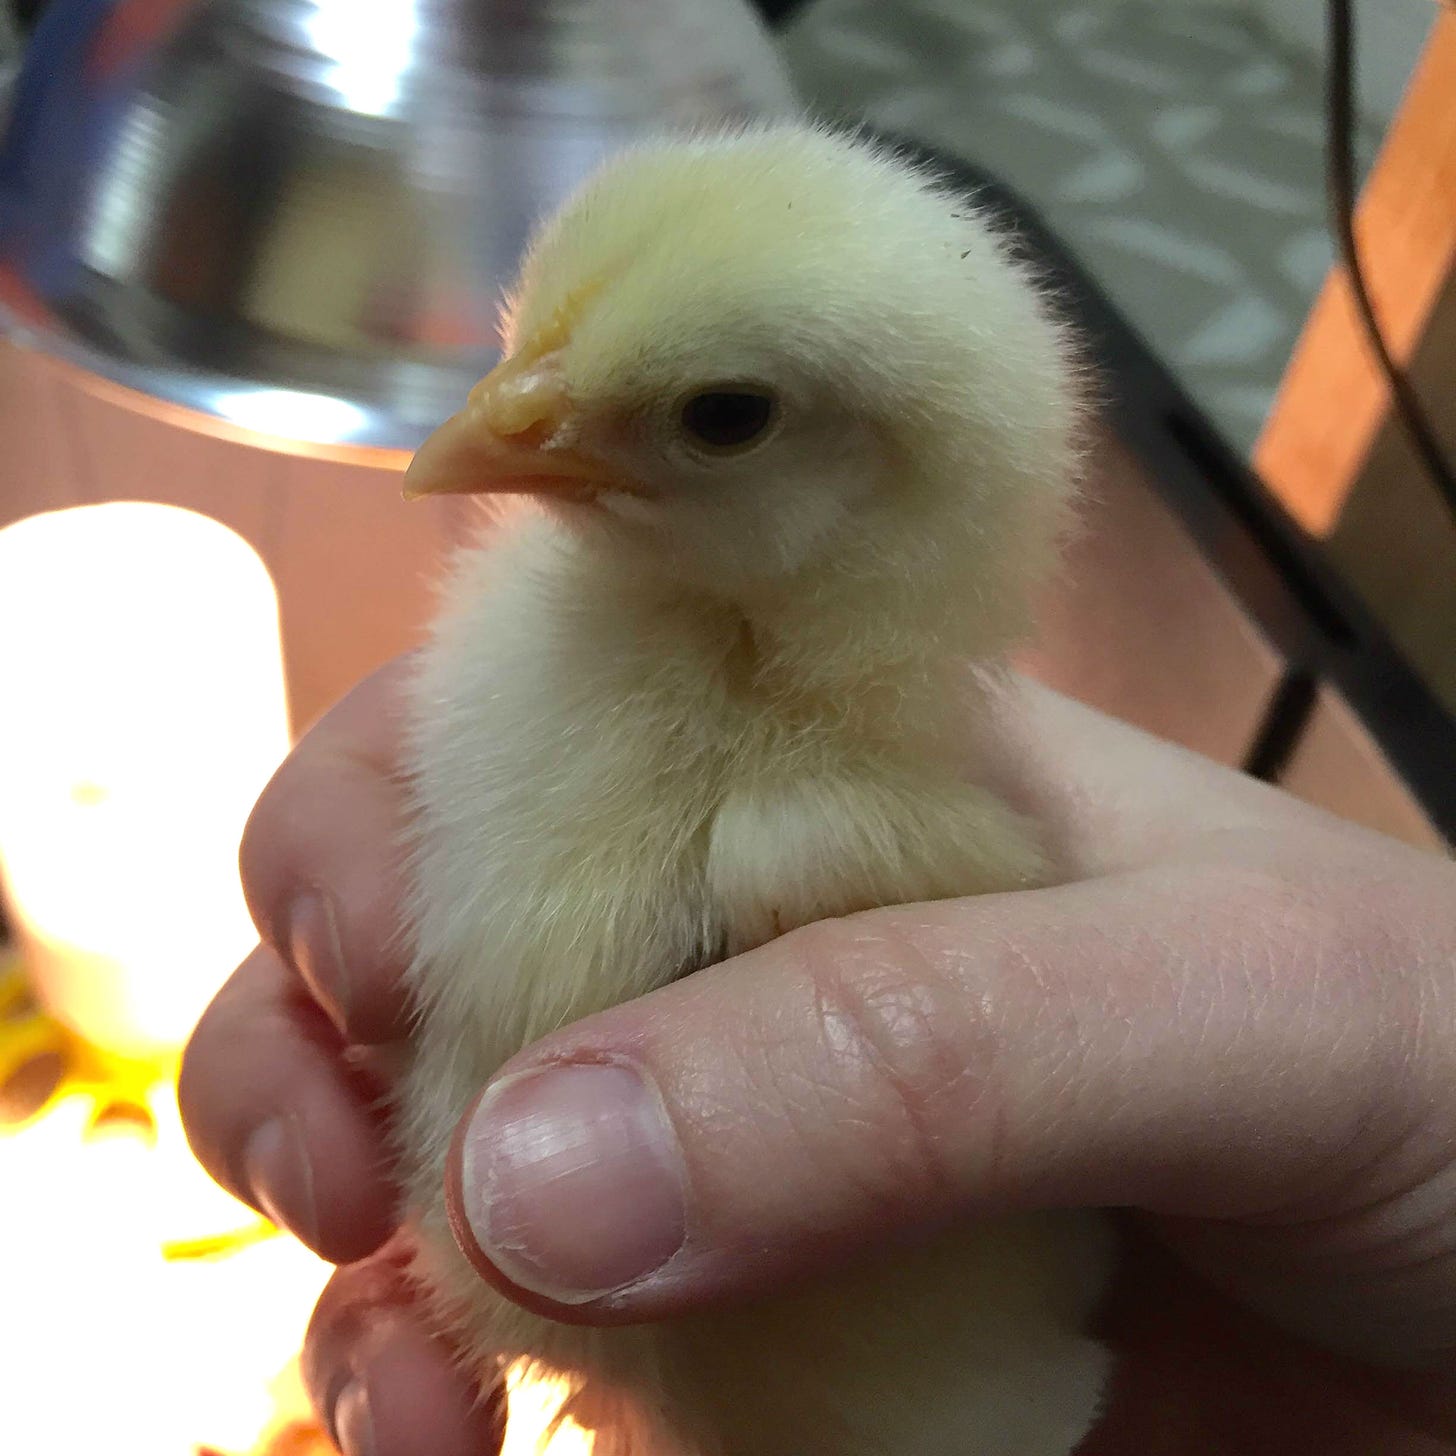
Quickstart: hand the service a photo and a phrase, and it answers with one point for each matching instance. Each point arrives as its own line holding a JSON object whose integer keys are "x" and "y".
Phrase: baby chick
{"x": 788, "y": 440}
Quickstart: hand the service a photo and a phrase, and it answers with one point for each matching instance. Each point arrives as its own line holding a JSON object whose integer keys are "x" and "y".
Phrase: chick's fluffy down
{"x": 717, "y": 694}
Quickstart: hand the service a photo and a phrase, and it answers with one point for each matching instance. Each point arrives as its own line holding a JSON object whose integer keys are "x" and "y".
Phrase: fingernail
{"x": 280, "y": 1176}
{"x": 312, "y": 944}
{"x": 572, "y": 1180}
{"x": 353, "y": 1420}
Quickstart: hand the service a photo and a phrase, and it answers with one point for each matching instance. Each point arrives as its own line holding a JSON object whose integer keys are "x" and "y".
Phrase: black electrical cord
{"x": 777, "y": 12}
{"x": 1340, "y": 162}
{"x": 27, "y": 12}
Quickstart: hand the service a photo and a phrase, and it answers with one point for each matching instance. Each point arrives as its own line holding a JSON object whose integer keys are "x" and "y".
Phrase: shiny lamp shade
{"x": 295, "y": 217}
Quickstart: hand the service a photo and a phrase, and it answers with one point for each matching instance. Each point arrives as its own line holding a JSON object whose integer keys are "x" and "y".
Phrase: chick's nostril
{"x": 525, "y": 406}
{"x": 533, "y": 437}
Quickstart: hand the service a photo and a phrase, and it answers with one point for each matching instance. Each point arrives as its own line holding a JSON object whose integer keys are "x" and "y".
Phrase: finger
{"x": 275, "y": 1114}
{"x": 382, "y": 1384}
{"x": 1201, "y": 1041}
{"x": 321, "y": 860}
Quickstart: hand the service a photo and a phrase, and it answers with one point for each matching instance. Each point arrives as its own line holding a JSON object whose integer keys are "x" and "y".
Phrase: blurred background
{"x": 249, "y": 255}
{"x": 1176, "y": 148}
{"x": 1178, "y": 152}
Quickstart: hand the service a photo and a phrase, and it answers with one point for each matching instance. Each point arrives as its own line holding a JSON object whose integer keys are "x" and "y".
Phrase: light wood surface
{"x": 1395, "y": 539}
{"x": 1333, "y": 400}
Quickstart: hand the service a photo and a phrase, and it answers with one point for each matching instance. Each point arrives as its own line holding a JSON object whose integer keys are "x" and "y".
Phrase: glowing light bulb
{"x": 145, "y": 711}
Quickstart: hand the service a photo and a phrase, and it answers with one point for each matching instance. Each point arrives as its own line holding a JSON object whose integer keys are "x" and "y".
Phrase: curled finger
{"x": 276, "y": 1114}
{"x": 381, "y": 1383}
{"x": 321, "y": 861}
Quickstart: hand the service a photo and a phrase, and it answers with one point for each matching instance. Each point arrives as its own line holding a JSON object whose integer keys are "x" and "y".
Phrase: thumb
{"x": 1197, "y": 1041}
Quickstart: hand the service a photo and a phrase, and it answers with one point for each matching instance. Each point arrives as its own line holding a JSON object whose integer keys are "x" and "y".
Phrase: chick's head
{"x": 748, "y": 356}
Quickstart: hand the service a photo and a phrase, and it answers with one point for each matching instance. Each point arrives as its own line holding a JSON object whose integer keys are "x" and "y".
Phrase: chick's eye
{"x": 726, "y": 419}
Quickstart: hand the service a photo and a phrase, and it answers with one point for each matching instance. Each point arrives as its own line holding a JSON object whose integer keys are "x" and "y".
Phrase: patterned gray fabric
{"x": 1176, "y": 149}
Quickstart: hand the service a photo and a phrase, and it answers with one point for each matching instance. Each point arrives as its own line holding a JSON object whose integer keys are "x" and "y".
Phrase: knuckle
{"x": 192, "y": 1104}
{"x": 264, "y": 836}
{"x": 214, "y": 1033}
{"x": 900, "y": 1044}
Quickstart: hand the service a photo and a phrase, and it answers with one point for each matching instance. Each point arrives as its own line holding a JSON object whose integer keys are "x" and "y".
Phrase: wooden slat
{"x": 1395, "y": 540}
{"x": 1333, "y": 400}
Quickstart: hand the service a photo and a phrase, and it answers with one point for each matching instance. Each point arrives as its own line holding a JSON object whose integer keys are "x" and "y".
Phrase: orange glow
{"x": 147, "y": 1313}
{"x": 143, "y": 1311}
{"x": 107, "y": 1345}
{"x": 146, "y": 710}
{"x": 534, "y": 1399}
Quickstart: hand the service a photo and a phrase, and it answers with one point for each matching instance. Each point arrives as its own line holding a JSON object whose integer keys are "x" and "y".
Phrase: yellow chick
{"x": 788, "y": 438}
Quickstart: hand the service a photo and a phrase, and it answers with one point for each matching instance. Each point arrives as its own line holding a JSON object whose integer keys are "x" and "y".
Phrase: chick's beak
{"x": 506, "y": 440}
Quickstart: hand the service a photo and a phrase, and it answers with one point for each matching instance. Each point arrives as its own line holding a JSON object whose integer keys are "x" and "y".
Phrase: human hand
{"x": 1236, "y": 1020}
